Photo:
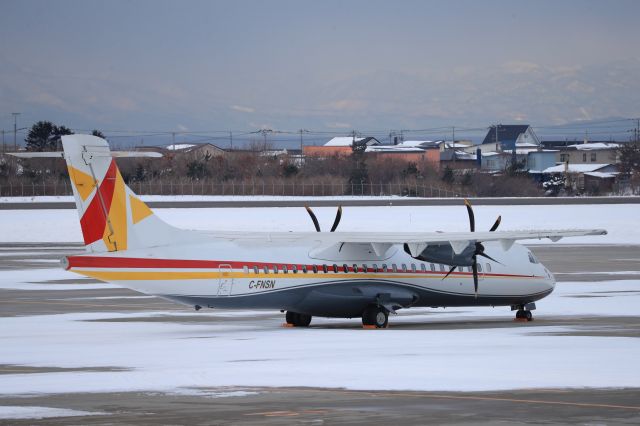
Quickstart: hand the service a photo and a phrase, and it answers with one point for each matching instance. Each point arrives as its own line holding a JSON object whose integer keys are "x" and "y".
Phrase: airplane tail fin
{"x": 112, "y": 217}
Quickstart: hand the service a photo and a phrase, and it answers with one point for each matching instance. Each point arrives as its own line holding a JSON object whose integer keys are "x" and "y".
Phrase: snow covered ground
{"x": 621, "y": 220}
{"x": 424, "y": 349}
{"x": 171, "y": 352}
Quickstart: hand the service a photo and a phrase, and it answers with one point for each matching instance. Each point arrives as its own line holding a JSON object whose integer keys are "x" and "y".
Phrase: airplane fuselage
{"x": 294, "y": 277}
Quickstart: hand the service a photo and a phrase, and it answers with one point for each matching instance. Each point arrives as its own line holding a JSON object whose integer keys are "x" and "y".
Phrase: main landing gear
{"x": 295, "y": 319}
{"x": 375, "y": 317}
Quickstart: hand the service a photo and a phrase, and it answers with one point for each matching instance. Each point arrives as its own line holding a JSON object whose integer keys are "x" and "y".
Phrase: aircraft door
{"x": 225, "y": 283}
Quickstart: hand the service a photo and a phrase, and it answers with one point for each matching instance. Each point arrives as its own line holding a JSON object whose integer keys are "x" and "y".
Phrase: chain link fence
{"x": 243, "y": 188}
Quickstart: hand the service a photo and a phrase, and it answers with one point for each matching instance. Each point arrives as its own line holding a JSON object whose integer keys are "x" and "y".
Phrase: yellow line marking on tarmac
{"x": 286, "y": 413}
{"x": 484, "y": 398}
{"x": 88, "y": 305}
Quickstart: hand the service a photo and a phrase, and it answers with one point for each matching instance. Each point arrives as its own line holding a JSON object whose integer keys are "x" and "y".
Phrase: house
{"x": 589, "y": 153}
{"x": 407, "y": 154}
{"x": 591, "y": 178}
{"x": 194, "y": 150}
{"x": 340, "y": 145}
{"x": 505, "y": 137}
{"x": 540, "y": 160}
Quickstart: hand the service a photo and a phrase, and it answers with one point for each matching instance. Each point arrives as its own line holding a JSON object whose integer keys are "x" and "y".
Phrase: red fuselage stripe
{"x": 144, "y": 263}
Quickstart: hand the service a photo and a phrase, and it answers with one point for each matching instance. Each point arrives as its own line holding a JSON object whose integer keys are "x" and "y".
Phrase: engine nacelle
{"x": 444, "y": 254}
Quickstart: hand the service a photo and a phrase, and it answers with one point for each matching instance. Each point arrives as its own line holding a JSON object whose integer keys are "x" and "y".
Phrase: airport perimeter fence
{"x": 243, "y": 188}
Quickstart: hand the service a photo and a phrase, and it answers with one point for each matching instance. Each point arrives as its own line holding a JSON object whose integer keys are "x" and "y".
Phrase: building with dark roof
{"x": 510, "y": 135}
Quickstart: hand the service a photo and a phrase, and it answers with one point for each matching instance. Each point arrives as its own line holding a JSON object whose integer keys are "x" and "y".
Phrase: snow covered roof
{"x": 419, "y": 144}
{"x": 594, "y": 146}
{"x": 576, "y": 168}
{"x": 601, "y": 175}
{"x": 393, "y": 148}
{"x": 348, "y": 141}
{"x": 179, "y": 146}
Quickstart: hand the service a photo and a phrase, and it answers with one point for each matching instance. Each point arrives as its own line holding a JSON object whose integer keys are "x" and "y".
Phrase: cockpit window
{"x": 532, "y": 258}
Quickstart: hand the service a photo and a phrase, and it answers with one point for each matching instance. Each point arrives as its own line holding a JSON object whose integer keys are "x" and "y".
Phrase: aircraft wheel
{"x": 520, "y": 314}
{"x": 298, "y": 320}
{"x": 528, "y": 315}
{"x": 376, "y": 316}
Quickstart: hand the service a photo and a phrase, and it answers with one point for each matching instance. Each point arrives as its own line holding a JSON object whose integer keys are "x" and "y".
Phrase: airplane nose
{"x": 551, "y": 280}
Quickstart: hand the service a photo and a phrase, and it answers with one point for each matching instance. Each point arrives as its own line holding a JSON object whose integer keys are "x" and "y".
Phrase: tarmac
{"x": 350, "y": 201}
{"x": 283, "y": 406}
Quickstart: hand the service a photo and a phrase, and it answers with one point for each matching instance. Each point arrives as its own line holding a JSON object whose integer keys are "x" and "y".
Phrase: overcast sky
{"x": 332, "y": 65}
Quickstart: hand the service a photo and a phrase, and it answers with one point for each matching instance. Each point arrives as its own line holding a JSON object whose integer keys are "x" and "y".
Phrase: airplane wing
{"x": 417, "y": 241}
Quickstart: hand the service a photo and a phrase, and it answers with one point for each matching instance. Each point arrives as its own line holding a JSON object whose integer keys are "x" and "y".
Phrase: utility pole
{"x": 231, "y": 139}
{"x": 453, "y": 142}
{"x": 173, "y": 141}
{"x": 15, "y": 130}
{"x": 301, "y": 140}
{"x": 4, "y": 147}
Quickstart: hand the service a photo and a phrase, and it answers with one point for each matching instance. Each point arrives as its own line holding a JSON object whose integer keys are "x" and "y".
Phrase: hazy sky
{"x": 206, "y": 65}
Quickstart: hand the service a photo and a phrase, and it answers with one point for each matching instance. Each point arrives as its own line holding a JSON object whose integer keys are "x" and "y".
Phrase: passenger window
{"x": 335, "y": 268}
{"x": 275, "y": 269}
{"x": 365, "y": 268}
{"x": 315, "y": 269}
{"x": 423, "y": 267}
{"x": 394, "y": 267}
{"x": 325, "y": 269}
{"x": 355, "y": 268}
{"x": 441, "y": 267}
{"x": 304, "y": 268}
{"x": 284, "y": 269}
{"x": 432, "y": 267}
{"x": 265, "y": 269}
{"x": 375, "y": 267}
{"x": 245, "y": 268}
{"x": 413, "y": 267}
{"x": 479, "y": 267}
{"x": 255, "y": 269}
{"x": 488, "y": 267}
{"x": 294, "y": 268}
{"x": 345, "y": 268}
{"x": 404, "y": 267}
{"x": 384, "y": 267}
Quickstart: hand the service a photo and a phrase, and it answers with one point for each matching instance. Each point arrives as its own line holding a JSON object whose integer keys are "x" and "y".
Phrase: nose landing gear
{"x": 523, "y": 312}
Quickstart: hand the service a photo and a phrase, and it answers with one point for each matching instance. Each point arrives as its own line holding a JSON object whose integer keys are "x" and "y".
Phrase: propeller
{"x": 479, "y": 248}
{"x": 316, "y": 224}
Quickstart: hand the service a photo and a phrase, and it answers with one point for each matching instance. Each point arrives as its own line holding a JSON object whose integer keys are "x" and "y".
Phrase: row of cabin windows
{"x": 357, "y": 268}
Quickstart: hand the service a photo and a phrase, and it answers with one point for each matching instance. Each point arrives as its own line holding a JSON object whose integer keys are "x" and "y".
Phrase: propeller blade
{"x": 337, "y": 220}
{"x": 483, "y": 254}
{"x": 495, "y": 225}
{"x": 313, "y": 218}
{"x": 472, "y": 219}
{"x": 474, "y": 267}
{"x": 450, "y": 271}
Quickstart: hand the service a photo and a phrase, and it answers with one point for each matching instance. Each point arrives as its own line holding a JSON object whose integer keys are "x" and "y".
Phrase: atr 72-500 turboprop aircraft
{"x": 327, "y": 274}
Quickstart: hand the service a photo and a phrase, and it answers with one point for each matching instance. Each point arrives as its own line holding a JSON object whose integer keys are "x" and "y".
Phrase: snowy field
{"x": 462, "y": 349}
{"x": 173, "y": 353}
{"x": 621, "y": 220}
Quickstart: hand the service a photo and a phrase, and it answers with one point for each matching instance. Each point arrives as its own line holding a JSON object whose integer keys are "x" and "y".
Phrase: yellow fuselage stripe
{"x": 201, "y": 275}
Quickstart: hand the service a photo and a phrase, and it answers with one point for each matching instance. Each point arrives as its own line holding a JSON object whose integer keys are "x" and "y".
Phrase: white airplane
{"x": 326, "y": 274}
